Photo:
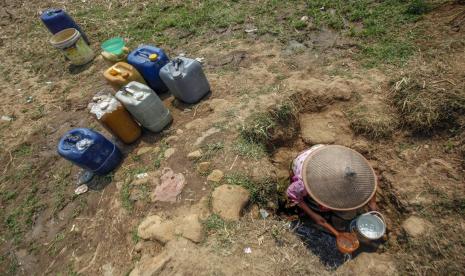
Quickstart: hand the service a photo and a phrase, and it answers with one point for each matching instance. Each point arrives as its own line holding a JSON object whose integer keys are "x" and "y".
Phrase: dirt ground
{"x": 47, "y": 230}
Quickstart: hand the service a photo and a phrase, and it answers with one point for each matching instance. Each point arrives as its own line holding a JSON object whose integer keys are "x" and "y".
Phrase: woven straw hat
{"x": 339, "y": 178}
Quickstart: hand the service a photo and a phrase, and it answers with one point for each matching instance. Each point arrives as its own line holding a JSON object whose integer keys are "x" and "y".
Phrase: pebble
{"x": 203, "y": 167}
{"x": 215, "y": 176}
{"x": 194, "y": 155}
{"x": 169, "y": 152}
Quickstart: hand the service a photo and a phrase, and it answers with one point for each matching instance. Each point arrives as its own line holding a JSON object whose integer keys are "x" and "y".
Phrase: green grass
{"x": 382, "y": 27}
{"x": 214, "y": 223}
{"x": 125, "y": 195}
{"x": 249, "y": 149}
{"x": 23, "y": 150}
{"x": 210, "y": 150}
{"x": 261, "y": 192}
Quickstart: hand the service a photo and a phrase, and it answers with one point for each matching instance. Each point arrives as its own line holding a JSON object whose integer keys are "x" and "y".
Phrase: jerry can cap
{"x": 153, "y": 57}
{"x": 113, "y": 71}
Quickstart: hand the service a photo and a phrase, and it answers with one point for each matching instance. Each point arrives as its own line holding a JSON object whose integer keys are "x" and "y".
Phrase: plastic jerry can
{"x": 120, "y": 74}
{"x": 114, "y": 117}
{"x": 185, "y": 79}
{"x": 148, "y": 60}
{"x": 89, "y": 150}
{"x": 57, "y": 20}
{"x": 145, "y": 106}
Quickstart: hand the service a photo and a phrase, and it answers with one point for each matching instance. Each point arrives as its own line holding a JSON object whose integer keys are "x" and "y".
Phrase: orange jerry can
{"x": 120, "y": 74}
{"x": 112, "y": 115}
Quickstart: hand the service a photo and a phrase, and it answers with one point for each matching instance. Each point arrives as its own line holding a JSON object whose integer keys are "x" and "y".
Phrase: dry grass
{"x": 372, "y": 121}
{"x": 427, "y": 106}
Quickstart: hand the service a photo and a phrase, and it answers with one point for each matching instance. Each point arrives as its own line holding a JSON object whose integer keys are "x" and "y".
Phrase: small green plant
{"x": 261, "y": 192}
{"x": 134, "y": 236}
{"x": 125, "y": 195}
{"x": 249, "y": 149}
{"x": 418, "y": 7}
{"x": 299, "y": 24}
{"x": 210, "y": 150}
{"x": 214, "y": 223}
{"x": 23, "y": 150}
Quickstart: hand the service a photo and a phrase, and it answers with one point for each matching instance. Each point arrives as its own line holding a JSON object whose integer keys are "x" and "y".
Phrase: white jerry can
{"x": 145, "y": 105}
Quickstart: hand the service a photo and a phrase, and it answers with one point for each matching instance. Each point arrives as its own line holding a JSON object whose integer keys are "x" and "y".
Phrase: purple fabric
{"x": 296, "y": 191}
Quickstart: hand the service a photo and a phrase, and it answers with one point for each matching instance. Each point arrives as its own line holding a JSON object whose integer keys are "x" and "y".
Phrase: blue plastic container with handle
{"x": 148, "y": 60}
{"x": 89, "y": 150}
{"x": 57, "y": 20}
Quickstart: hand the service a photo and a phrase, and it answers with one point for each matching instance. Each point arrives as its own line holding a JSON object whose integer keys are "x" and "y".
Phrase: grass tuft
{"x": 261, "y": 192}
{"x": 371, "y": 122}
{"x": 249, "y": 149}
{"x": 425, "y": 107}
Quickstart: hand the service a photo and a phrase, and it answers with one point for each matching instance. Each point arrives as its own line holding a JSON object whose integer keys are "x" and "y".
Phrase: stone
{"x": 179, "y": 131}
{"x": 150, "y": 266}
{"x": 154, "y": 227}
{"x": 367, "y": 264}
{"x": 190, "y": 228}
{"x": 254, "y": 212}
{"x": 215, "y": 176}
{"x": 316, "y": 130}
{"x": 169, "y": 152}
{"x": 171, "y": 186}
{"x": 195, "y": 155}
{"x": 139, "y": 246}
{"x": 415, "y": 226}
{"x": 229, "y": 200}
{"x": 206, "y": 134}
{"x": 203, "y": 167}
{"x": 172, "y": 139}
{"x": 149, "y": 178}
{"x": 144, "y": 150}
{"x": 108, "y": 269}
{"x": 361, "y": 146}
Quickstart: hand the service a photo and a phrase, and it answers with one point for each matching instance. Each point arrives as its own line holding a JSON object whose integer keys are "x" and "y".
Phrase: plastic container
{"x": 145, "y": 106}
{"x": 148, "y": 60}
{"x": 185, "y": 79}
{"x": 114, "y": 46}
{"x": 121, "y": 74}
{"x": 73, "y": 46}
{"x": 369, "y": 226}
{"x": 57, "y": 20}
{"x": 89, "y": 150}
{"x": 115, "y": 118}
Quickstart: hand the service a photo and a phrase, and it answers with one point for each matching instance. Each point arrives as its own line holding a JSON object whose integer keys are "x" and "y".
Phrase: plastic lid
{"x": 153, "y": 57}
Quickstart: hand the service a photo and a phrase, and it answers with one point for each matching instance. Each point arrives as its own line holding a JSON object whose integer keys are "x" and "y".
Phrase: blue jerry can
{"x": 89, "y": 150}
{"x": 148, "y": 60}
{"x": 57, "y": 20}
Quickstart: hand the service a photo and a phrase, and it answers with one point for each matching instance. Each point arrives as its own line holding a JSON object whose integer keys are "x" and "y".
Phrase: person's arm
{"x": 317, "y": 218}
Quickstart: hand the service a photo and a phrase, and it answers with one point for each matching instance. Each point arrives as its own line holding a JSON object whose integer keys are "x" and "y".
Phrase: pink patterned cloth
{"x": 296, "y": 191}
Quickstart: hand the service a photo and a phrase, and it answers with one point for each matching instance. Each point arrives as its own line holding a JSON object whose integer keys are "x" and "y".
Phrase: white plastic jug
{"x": 185, "y": 79}
{"x": 146, "y": 107}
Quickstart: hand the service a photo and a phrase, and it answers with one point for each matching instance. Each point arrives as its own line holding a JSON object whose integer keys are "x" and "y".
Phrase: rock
{"x": 195, "y": 155}
{"x": 172, "y": 139}
{"x": 415, "y": 226}
{"x": 108, "y": 269}
{"x": 367, "y": 264}
{"x": 254, "y": 212}
{"x": 203, "y": 167}
{"x": 150, "y": 266}
{"x": 171, "y": 186}
{"x": 144, "y": 150}
{"x": 215, "y": 176}
{"x": 206, "y": 134}
{"x": 190, "y": 228}
{"x": 284, "y": 156}
{"x": 361, "y": 146}
{"x": 229, "y": 200}
{"x": 169, "y": 152}
{"x": 316, "y": 130}
{"x": 154, "y": 227}
{"x": 139, "y": 246}
{"x": 179, "y": 131}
